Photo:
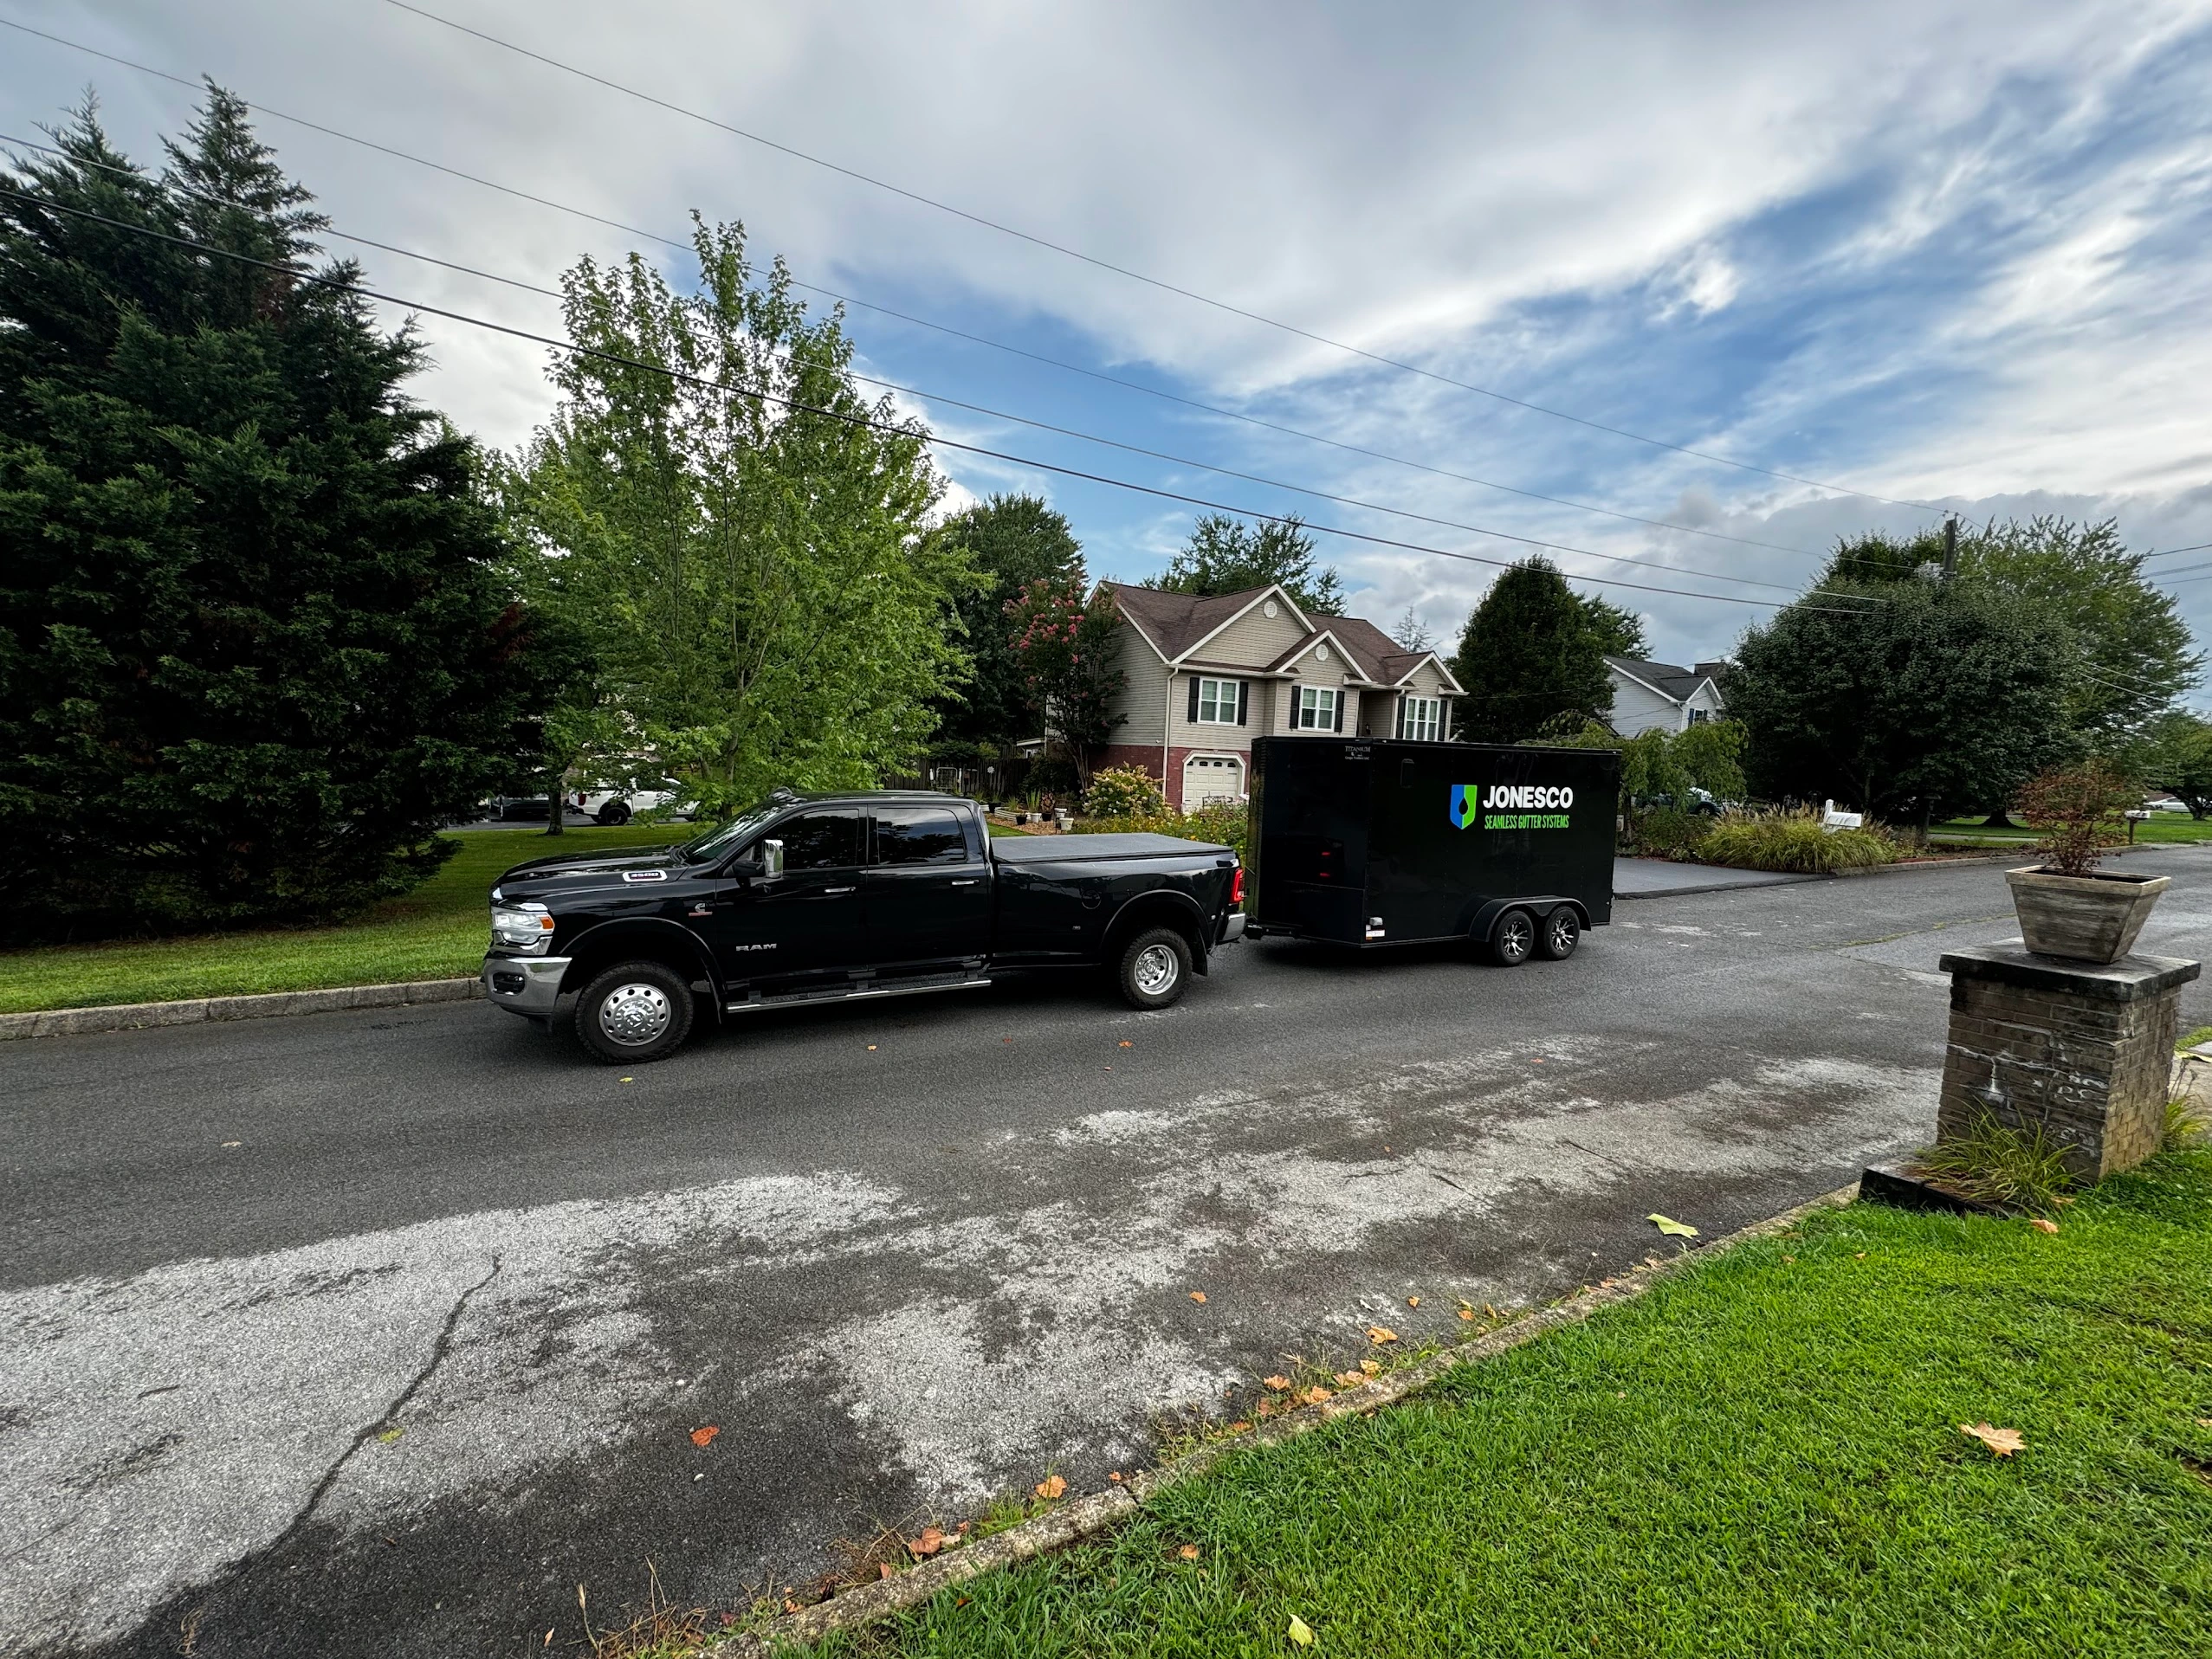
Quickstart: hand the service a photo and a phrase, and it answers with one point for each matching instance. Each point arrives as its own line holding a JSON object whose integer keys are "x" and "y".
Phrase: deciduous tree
{"x": 1012, "y": 540}
{"x": 1227, "y": 555}
{"x": 1064, "y": 643}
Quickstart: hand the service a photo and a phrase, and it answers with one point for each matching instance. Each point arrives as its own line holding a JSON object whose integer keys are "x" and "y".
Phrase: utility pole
{"x": 1951, "y": 550}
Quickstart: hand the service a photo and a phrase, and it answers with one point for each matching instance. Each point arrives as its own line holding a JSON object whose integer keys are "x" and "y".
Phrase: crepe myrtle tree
{"x": 1064, "y": 643}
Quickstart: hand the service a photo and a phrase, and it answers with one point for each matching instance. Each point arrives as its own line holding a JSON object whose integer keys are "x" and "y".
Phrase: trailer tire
{"x": 634, "y": 1013}
{"x": 1155, "y": 969}
{"x": 1561, "y": 933}
{"x": 1512, "y": 937}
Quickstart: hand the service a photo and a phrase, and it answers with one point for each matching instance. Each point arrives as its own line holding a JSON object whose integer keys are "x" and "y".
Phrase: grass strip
{"x": 1762, "y": 1456}
{"x": 437, "y": 932}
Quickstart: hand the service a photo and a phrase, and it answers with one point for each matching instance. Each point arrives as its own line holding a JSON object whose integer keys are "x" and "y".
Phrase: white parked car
{"x": 2166, "y": 803}
{"x": 613, "y": 807}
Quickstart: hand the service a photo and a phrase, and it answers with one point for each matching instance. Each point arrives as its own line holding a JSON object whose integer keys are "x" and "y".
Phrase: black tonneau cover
{"x": 1060, "y": 849}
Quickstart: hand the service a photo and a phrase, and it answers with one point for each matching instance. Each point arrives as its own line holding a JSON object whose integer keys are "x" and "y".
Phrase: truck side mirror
{"x": 772, "y": 858}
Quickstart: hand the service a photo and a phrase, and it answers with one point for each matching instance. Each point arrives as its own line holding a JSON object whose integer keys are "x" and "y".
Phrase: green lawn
{"x": 437, "y": 932}
{"x": 2166, "y": 826}
{"x": 1761, "y": 1458}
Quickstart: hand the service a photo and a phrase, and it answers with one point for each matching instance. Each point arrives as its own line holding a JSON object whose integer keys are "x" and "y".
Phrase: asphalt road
{"x": 378, "y": 1333}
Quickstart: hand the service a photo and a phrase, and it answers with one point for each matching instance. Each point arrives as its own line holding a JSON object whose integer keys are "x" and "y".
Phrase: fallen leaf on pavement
{"x": 883, "y": 1569}
{"x": 1265, "y": 1409}
{"x": 705, "y": 1437}
{"x": 1114, "y": 1475}
{"x": 1350, "y": 1378}
{"x": 1301, "y": 1632}
{"x": 1278, "y": 1383}
{"x": 1198, "y": 1295}
{"x": 391, "y": 1434}
{"x": 929, "y": 1543}
{"x": 1051, "y": 1487}
{"x": 1239, "y": 1428}
{"x": 1488, "y": 1309}
{"x": 547, "y": 1643}
{"x": 1379, "y": 1334}
{"x": 1189, "y": 1552}
{"x": 1125, "y": 1042}
{"x": 1412, "y": 1302}
{"x": 2041, "y": 1225}
{"x": 2003, "y": 1442}
{"x": 1466, "y": 1313}
{"x": 1316, "y": 1395}
{"x": 1672, "y": 1228}
{"x": 1370, "y": 1367}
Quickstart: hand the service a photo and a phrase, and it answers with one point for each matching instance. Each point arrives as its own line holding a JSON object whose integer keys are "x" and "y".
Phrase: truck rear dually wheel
{"x": 1154, "y": 968}
{"x": 634, "y": 1013}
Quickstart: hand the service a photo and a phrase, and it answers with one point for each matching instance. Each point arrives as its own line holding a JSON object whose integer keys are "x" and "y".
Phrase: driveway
{"x": 381, "y": 1333}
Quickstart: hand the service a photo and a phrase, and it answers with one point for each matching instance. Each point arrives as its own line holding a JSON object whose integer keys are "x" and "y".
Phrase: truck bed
{"x": 1061, "y": 850}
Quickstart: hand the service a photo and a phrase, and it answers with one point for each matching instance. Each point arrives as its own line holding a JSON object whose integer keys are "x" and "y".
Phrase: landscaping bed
{"x": 437, "y": 932}
{"x": 1763, "y": 1455}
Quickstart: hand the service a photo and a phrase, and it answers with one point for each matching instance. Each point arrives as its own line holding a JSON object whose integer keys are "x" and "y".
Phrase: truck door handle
{"x": 831, "y": 893}
{"x": 969, "y": 882}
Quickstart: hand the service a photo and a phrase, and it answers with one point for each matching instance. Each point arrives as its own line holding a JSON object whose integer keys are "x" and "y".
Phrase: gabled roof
{"x": 1177, "y": 625}
{"x": 1676, "y": 684}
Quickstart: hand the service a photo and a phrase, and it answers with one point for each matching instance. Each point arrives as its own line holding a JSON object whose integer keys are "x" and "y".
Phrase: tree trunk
{"x": 557, "y": 801}
{"x": 1999, "y": 820}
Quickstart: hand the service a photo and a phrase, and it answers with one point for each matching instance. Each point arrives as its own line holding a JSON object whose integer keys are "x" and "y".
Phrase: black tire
{"x": 1155, "y": 968}
{"x": 614, "y": 814}
{"x": 634, "y": 1013}
{"x": 1512, "y": 937}
{"x": 1561, "y": 933}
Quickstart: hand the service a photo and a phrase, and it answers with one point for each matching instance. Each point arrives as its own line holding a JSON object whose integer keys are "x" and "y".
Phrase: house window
{"x": 1422, "y": 719}
{"x": 1315, "y": 710}
{"x": 1699, "y": 716}
{"x": 1216, "y": 702}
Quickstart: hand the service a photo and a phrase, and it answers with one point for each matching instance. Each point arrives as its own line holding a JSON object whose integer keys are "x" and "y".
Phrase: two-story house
{"x": 1648, "y": 695}
{"x": 1206, "y": 676}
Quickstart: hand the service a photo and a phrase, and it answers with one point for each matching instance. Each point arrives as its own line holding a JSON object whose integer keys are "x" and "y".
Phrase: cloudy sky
{"x": 1947, "y": 256}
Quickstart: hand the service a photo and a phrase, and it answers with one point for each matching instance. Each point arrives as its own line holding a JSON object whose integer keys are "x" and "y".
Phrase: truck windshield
{"x": 711, "y": 845}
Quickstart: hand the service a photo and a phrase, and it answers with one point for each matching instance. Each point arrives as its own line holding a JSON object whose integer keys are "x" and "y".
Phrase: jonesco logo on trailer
{"x": 1510, "y": 806}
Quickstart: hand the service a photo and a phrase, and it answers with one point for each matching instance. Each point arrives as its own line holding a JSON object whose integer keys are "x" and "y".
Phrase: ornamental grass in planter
{"x": 2068, "y": 906}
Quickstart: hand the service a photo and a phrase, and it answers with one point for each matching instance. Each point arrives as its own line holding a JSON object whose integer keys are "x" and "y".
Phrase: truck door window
{"x": 821, "y": 841}
{"x": 919, "y": 834}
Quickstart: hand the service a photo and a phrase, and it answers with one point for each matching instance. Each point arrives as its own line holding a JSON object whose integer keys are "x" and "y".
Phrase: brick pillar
{"x": 2081, "y": 1050}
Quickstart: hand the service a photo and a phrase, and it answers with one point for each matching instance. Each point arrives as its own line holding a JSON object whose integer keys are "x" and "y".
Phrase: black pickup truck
{"x": 831, "y": 898}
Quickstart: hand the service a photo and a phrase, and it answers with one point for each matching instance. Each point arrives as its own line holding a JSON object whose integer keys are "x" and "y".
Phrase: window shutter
{"x": 1192, "y": 715}
{"x": 1401, "y": 713}
{"x": 1243, "y": 696}
{"x": 1340, "y": 708}
{"x": 1293, "y": 689}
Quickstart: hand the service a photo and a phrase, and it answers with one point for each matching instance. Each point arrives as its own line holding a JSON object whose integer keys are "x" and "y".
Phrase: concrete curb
{"x": 133, "y": 1016}
{"x": 1080, "y": 1518}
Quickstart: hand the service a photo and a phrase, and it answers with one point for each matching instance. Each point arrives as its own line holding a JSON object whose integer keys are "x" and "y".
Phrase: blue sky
{"x": 1941, "y": 255}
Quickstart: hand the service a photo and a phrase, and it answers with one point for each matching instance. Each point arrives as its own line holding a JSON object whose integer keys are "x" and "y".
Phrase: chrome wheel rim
{"x": 1156, "y": 969}
{"x": 634, "y": 1014}
{"x": 1563, "y": 934}
{"x": 1513, "y": 940}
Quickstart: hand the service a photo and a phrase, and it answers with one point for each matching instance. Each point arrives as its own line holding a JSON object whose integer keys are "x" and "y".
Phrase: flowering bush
{"x": 1123, "y": 792}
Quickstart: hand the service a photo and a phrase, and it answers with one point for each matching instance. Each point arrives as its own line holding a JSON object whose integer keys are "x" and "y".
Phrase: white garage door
{"x": 1212, "y": 778}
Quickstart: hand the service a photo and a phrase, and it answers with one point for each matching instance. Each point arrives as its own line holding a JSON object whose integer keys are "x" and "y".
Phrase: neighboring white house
{"x": 1660, "y": 695}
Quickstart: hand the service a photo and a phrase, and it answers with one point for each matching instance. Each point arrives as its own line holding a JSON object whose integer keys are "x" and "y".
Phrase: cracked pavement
{"x": 424, "y": 1350}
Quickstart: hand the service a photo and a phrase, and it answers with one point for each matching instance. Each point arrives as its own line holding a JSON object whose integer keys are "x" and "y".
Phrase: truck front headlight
{"x": 524, "y": 929}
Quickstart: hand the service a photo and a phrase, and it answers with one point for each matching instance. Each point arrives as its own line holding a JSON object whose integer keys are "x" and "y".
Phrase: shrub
{"x": 2077, "y": 809}
{"x": 1669, "y": 832}
{"x": 1051, "y": 776}
{"x": 1992, "y": 1163}
{"x": 1778, "y": 840}
{"x": 1123, "y": 792}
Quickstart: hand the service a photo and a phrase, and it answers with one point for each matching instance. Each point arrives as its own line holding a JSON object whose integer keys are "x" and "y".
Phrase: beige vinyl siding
{"x": 1144, "y": 698}
{"x": 1331, "y": 674}
{"x": 1254, "y": 637}
{"x": 1185, "y": 733}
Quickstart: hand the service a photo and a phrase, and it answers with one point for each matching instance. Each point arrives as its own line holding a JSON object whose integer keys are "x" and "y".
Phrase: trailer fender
{"x": 1485, "y": 920}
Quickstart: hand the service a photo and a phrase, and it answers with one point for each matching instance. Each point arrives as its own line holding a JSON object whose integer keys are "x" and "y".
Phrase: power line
{"x": 1138, "y": 276}
{"x": 868, "y": 422}
{"x": 2194, "y": 547}
{"x": 1042, "y": 426}
{"x": 925, "y": 322}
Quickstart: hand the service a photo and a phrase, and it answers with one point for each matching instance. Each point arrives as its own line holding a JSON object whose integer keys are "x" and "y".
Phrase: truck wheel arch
{"x": 1158, "y": 908}
{"x": 649, "y": 937}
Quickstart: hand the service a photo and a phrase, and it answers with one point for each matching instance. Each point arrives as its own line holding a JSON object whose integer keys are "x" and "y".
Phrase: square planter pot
{"x": 2094, "y": 918}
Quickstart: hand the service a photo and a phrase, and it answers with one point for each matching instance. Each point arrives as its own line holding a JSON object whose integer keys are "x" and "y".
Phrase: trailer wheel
{"x": 1563, "y": 931}
{"x": 1154, "y": 968}
{"x": 1513, "y": 938}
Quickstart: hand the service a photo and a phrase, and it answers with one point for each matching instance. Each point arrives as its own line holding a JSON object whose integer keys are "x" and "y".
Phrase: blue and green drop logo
{"x": 1462, "y": 804}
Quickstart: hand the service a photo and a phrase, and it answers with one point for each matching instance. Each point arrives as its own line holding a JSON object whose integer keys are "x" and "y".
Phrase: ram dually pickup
{"x": 832, "y": 898}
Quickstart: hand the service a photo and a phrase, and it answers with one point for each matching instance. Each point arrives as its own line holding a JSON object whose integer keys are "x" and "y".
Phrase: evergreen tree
{"x": 1529, "y": 656}
{"x": 254, "y": 645}
{"x": 1013, "y": 540}
{"x": 1227, "y": 555}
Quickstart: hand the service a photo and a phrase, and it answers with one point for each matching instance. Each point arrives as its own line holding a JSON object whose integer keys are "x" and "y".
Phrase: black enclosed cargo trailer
{"x": 1375, "y": 841}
